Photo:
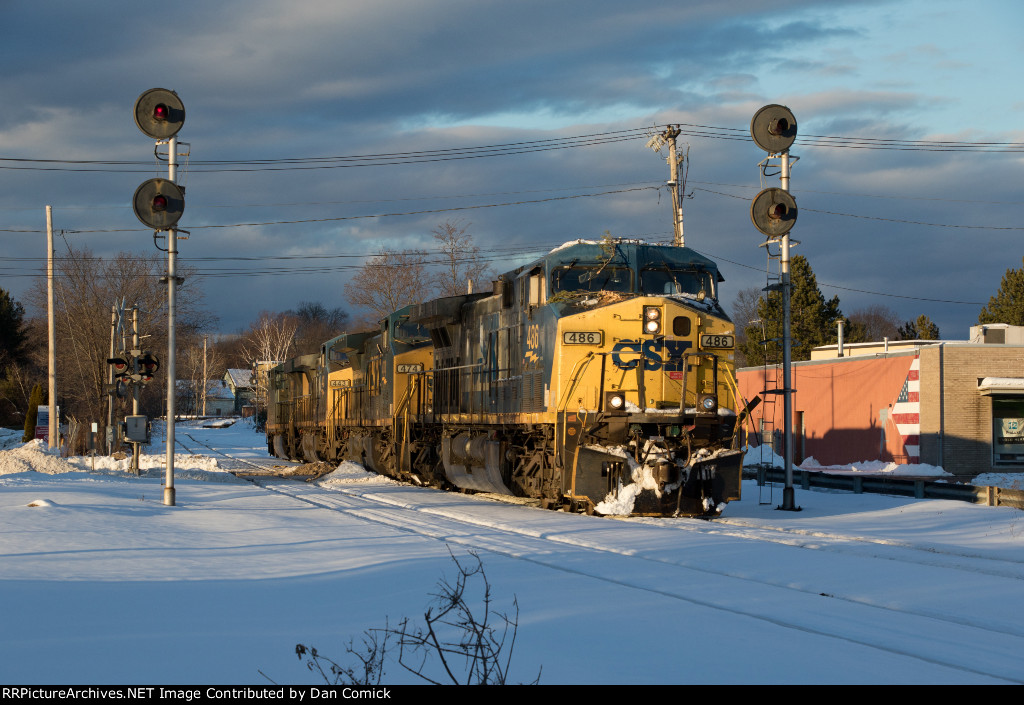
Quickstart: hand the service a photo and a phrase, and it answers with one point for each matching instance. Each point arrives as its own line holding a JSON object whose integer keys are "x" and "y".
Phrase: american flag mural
{"x": 906, "y": 413}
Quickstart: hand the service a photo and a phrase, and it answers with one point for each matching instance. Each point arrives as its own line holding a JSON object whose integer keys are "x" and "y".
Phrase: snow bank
{"x": 877, "y": 467}
{"x": 764, "y": 455}
{"x": 35, "y": 456}
{"x": 349, "y": 473}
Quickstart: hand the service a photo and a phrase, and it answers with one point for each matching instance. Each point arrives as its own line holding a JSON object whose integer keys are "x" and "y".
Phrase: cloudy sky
{"x": 910, "y": 197}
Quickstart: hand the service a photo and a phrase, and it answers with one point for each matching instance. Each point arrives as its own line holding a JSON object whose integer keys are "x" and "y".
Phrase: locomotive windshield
{"x": 663, "y": 279}
{"x": 592, "y": 278}
{"x": 410, "y": 333}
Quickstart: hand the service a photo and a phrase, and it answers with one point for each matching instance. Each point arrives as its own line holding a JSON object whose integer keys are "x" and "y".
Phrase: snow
{"x": 102, "y": 583}
{"x": 756, "y": 455}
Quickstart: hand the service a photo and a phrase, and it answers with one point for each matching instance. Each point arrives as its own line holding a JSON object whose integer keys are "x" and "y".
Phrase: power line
{"x": 509, "y": 148}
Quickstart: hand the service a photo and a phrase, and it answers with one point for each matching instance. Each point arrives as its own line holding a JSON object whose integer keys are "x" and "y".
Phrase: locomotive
{"x": 598, "y": 378}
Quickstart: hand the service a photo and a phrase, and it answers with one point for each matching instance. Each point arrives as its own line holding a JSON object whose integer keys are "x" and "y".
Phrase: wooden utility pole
{"x": 51, "y": 332}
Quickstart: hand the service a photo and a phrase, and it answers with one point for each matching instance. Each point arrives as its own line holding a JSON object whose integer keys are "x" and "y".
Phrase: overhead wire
{"x": 510, "y": 148}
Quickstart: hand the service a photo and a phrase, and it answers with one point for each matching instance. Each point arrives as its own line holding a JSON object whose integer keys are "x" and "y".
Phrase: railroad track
{"x": 876, "y": 621}
{"x": 817, "y": 573}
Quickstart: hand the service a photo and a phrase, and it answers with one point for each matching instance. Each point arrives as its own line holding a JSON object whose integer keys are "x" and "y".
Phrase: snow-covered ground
{"x": 102, "y": 583}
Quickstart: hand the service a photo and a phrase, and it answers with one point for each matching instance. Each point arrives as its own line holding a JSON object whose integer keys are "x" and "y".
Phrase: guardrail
{"x": 903, "y": 487}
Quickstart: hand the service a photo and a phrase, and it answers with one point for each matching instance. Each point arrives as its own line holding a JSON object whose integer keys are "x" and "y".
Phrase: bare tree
{"x": 269, "y": 340}
{"x": 86, "y": 288}
{"x": 461, "y": 260}
{"x": 316, "y": 324}
{"x": 873, "y": 323}
{"x": 388, "y": 282}
{"x": 202, "y": 367}
{"x": 744, "y": 310}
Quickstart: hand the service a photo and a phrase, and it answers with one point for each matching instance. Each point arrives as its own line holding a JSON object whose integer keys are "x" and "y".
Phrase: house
{"x": 240, "y": 383}
{"x": 220, "y": 400}
{"x": 954, "y": 404}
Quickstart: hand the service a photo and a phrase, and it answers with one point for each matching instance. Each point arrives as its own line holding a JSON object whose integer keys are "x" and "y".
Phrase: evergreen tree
{"x": 921, "y": 329}
{"x": 812, "y": 319}
{"x": 37, "y": 397}
{"x": 12, "y": 330}
{"x": 1007, "y": 306}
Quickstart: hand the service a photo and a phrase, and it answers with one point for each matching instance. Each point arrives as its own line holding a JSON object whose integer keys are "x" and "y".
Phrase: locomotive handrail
{"x": 402, "y": 410}
{"x": 575, "y": 375}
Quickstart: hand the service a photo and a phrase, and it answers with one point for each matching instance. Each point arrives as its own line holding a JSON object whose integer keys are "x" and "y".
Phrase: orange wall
{"x": 840, "y": 401}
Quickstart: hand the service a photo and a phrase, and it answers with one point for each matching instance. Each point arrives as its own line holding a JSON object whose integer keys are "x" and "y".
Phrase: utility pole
{"x": 676, "y": 189}
{"x": 51, "y": 332}
{"x": 205, "y": 338}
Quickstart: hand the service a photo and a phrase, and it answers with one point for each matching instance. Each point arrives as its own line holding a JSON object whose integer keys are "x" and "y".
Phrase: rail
{"x": 903, "y": 487}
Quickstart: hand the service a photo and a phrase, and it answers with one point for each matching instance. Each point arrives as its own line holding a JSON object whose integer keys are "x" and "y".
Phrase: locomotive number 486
{"x": 717, "y": 341}
{"x": 582, "y": 337}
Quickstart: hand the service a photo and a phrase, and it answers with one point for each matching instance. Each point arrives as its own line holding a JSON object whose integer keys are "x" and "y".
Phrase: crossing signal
{"x": 148, "y": 365}
{"x": 159, "y": 113}
{"x": 122, "y": 366}
{"x": 159, "y": 203}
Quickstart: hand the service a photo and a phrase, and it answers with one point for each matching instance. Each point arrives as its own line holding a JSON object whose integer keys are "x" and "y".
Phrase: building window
{"x": 1007, "y": 430}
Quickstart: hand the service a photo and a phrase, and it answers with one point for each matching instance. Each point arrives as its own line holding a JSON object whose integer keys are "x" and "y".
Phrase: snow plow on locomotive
{"x": 598, "y": 378}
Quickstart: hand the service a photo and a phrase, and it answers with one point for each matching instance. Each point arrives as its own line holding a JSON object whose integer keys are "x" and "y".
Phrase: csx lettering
{"x": 651, "y": 352}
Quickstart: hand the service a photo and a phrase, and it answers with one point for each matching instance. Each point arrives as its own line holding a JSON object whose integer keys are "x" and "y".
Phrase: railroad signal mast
{"x": 131, "y": 369}
{"x": 773, "y": 212}
{"x": 159, "y": 204}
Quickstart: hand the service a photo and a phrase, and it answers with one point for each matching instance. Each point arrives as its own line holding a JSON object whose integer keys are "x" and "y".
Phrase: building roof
{"x": 239, "y": 378}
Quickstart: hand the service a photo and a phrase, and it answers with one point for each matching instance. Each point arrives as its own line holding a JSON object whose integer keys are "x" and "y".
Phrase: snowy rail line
{"x": 867, "y": 620}
{"x": 854, "y": 589}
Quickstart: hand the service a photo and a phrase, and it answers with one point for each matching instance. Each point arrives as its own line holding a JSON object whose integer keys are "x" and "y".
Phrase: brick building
{"x": 958, "y": 405}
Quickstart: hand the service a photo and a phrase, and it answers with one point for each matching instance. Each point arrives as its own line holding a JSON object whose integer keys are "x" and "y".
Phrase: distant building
{"x": 955, "y": 404}
{"x": 220, "y": 400}
{"x": 240, "y": 383}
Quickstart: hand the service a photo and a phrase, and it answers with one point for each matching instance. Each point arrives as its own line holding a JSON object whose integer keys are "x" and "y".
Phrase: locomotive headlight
{"x": 708, "y": 403}
{"x": 652, "y": 320}
{"x": 615, "y": 401}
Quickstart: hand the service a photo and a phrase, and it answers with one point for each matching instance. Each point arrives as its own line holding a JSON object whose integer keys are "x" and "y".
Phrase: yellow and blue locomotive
{"x": 597, "y": 378}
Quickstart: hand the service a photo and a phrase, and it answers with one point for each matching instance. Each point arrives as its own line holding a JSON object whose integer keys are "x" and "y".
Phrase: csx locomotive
{"x": 597, "y": 378}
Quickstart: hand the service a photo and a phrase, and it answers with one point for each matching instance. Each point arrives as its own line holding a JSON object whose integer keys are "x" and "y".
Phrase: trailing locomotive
{"x": 597, "y": 378}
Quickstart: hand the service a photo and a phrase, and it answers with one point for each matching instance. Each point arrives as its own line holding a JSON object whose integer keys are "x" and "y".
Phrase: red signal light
{"x": 159, "y": 203}
{"x": 160, "y": 112}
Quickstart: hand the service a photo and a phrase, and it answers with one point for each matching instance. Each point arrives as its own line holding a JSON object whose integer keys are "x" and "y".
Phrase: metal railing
{"x": 901, "y": 487}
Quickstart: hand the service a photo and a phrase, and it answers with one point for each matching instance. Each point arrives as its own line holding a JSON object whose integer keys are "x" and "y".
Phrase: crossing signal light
{"x": 159, "y": 113}
{"x": 159, "y": 203}
{"x": 148, "y": 365}
{"x": 121, "y": 364}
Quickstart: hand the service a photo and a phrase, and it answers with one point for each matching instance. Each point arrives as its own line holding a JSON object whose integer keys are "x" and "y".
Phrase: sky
{"x": 104, "y": 584}
{"x": 928, "y": 230}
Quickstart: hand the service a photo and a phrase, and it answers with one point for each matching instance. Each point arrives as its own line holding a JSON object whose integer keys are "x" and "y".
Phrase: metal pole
{"x": 172, "y": 247}
{"x": 51, "y": 331}
{"x": 135, "y": 387}
{"x": 788, "y": 493}
{"x": 110, "y": 382}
